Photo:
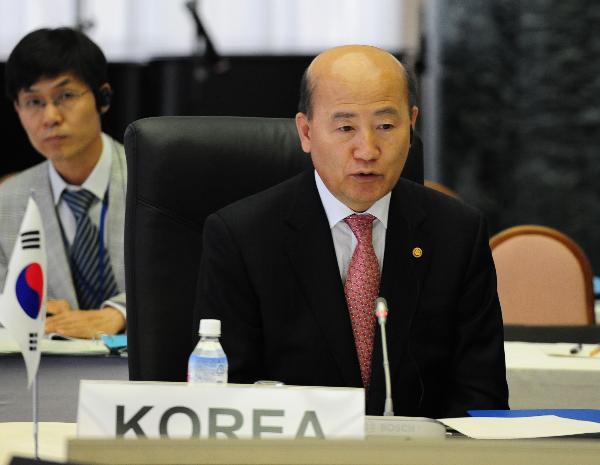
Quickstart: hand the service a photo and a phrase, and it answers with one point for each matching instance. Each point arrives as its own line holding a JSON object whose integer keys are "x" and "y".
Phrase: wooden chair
{"x": 544, "y": 277}
{"x": 436, "y": 186}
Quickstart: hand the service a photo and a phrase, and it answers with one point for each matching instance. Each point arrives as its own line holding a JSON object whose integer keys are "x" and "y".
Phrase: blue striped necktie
{"x": 90, "y": 263}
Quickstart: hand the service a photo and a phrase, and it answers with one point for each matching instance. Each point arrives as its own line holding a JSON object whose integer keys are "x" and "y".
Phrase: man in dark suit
{"x": 293, "y": 278}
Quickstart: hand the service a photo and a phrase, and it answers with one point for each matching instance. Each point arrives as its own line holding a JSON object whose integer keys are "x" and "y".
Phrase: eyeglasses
{"x": 65, "y": 100}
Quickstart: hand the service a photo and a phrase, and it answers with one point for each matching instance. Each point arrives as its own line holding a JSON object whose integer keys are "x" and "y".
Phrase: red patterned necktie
{"x": 361, "y": 289}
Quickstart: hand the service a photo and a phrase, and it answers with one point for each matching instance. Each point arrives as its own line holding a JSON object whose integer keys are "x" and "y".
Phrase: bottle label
{"x": 207, "y": 369}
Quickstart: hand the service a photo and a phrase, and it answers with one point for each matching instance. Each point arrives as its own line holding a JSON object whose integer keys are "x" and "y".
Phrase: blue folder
{"x": 574, "y": 414}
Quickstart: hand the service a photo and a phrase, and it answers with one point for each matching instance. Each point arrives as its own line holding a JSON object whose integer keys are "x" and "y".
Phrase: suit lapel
{"x": 60, "y": 281}
{"x": 402, "y": 274}
{"x": 310, "y": 248}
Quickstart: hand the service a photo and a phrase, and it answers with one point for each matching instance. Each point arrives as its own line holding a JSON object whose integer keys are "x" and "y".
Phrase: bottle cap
{"x": 210, "y": 328}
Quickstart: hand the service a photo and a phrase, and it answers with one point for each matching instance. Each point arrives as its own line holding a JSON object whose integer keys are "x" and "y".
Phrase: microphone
{"x": 381, "y": 312}
{"x": 401, "y": 427}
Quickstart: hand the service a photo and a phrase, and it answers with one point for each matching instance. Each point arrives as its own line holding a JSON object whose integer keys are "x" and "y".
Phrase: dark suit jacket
{"x": 269, "y": 273}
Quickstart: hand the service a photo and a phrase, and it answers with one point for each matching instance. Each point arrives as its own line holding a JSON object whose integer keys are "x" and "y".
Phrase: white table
{"x": 16, "y": 438}
{"x": 535, "y": 380}
{"x": 538, "y": 380}
{"x": 58, "y": 385}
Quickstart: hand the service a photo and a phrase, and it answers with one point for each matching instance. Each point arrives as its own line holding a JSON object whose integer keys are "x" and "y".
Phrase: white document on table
{"x": 561, "y": 349}
{"x": 543, "y": 426}
{"x": 71, "y": 347}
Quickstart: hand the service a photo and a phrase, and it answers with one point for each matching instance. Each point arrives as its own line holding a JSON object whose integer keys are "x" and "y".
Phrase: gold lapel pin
{"x": 417, "y": 252}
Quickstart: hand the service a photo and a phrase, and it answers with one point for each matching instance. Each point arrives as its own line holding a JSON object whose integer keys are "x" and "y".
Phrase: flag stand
{"x": 35, "y": 418}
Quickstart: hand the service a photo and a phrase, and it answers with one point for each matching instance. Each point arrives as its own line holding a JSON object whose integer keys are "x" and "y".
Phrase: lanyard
{"x": 101, "y": 248}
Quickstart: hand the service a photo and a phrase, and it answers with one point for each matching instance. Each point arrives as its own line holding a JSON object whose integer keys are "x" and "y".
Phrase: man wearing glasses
{"x": 57, "y": 81}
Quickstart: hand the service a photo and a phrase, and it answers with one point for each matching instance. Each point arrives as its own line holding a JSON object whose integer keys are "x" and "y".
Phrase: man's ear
{"x": 303, "y": 127}
{"x": 414, "y": 112}
{"x": 105, "y": 97}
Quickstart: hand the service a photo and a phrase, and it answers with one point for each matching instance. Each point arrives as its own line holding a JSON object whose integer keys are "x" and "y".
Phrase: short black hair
{"x": 47, "y": 53}
{"x": 307, "y": 88}
{"x": 306, "y": 91}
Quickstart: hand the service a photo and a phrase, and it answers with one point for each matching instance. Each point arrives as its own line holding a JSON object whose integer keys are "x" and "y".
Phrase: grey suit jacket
{"x": 14, "y": 194}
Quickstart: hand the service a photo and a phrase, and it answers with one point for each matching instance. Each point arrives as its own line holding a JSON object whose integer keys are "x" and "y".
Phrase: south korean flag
{"x": 23, "y": 302}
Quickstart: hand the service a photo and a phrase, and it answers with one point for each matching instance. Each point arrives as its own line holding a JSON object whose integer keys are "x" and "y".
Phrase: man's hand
{"x": 55, "y": 307}
{"x": 86, "y": 324}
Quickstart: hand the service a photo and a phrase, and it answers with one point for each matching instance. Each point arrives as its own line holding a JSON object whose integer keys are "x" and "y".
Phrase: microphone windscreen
{"x": 381, "y": 309}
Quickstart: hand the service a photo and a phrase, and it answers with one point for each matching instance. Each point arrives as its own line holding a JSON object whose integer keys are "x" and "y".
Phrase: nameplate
{"x": 235, "y": 411}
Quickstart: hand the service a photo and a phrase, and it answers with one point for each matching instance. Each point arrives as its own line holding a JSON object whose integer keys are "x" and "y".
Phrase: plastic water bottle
{"x": 208, "y": 362}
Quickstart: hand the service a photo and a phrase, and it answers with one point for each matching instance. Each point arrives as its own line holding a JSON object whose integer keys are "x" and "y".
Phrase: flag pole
{"x": 23, "y": 302}
{"x": 35, "y": 418}
{"x": 35, "y": 391}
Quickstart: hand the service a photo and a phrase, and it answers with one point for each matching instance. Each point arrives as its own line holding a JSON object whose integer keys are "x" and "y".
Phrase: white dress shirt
{"x": 344, "y": 240}
{"x": 97, "y": 183}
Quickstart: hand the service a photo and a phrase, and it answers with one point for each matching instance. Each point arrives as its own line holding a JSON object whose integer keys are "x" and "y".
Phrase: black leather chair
{"x": 180, "y": 169}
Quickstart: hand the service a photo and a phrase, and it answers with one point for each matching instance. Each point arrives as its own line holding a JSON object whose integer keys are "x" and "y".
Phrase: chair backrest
{"x": 180, "y": 169}
{"x": 544, "y": 278}
{"x": 436, "y": 186}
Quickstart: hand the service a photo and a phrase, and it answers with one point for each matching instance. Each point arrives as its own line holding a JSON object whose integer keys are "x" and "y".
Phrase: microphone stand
{"x": 82, "y": 24}
{"x": 206, "y": 55}
{"x": 381, "y": 311}
{"x": 397, "y": 426}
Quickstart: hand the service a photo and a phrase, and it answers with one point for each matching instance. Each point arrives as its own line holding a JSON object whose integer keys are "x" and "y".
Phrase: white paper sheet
{"x": 520, "y": 428}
